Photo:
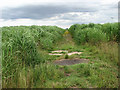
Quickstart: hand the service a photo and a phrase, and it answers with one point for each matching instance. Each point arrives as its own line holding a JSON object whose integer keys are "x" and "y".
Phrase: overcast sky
{"x": 62, "y": 13}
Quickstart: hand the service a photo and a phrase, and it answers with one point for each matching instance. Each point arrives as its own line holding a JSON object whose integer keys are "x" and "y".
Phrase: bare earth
{"x": 70, "y": 61}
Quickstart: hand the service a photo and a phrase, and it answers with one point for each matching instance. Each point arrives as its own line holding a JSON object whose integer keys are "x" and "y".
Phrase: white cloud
{"x": 28, "y": 22}
{"x": 16, "y": 3}
{"x": 65, "y": 20}
{"x": 104, "y": 14}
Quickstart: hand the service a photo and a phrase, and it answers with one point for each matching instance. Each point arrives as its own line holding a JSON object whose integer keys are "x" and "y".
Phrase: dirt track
{"x": 70, "y": 61}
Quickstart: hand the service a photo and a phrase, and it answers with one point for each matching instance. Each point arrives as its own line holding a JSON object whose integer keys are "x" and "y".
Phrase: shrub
{"x": 111, "y": 30}
{"x": 66, "y": 56}
{"x": 90, "y": 35}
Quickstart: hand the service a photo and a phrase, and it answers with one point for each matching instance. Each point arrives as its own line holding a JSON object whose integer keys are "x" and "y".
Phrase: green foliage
{"x": 20, "y": 46}
{"x": 66, "y": 56}
{"x": 89, "y": 35}
{"x": 111, "y": 30}
{"x": 46, "y": 36}
{"x": 94, "y": 33}
{"x": 26, "y": 63}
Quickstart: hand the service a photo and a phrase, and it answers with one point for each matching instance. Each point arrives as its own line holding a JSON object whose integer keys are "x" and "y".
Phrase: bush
{"x": 111, "y": 30}
{"x": 66, "y": 56}
{"x": 95, "y": 33}
{"x": 90, "y": 35}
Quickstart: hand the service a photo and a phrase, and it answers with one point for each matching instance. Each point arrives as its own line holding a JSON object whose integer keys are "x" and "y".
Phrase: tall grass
{"x": 111, "y": 30}
{"x": 47, "y": 35}
{"x": 0, "y": 58}
{"x": 19, "y": 47}
{"x": 95, "y": 33}
{"x": 109, "y": 51}
{"x": 36, "y": 77}
{"x": 89, "y": 35}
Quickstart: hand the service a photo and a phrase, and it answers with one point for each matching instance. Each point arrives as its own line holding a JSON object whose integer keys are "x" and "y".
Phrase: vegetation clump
{"x": 94, "y": 33}
{"x": 66, "y": 56}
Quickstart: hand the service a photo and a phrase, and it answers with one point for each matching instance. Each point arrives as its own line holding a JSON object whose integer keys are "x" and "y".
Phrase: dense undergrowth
{"x": 26, "y": 63}
{"x": 20, "y": 43}
{"x": 95, "y": 33}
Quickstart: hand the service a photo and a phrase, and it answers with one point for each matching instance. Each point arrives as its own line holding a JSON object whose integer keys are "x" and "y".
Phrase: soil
{"x": 70, "y": 61}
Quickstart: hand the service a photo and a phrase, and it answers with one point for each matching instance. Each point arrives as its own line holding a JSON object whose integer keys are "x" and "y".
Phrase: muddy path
{"x": 70, "y": 61}
{"x": 59, "y": 52}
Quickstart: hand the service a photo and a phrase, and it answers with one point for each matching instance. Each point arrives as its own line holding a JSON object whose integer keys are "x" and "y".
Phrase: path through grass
{"x": 100, "y": 72}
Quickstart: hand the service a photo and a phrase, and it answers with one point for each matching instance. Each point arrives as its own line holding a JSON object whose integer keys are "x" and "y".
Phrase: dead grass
{"x": 110, "y": 50}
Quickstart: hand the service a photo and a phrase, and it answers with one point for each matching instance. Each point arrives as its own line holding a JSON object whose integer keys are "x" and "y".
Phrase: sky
{"x": 62, "y": 13}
